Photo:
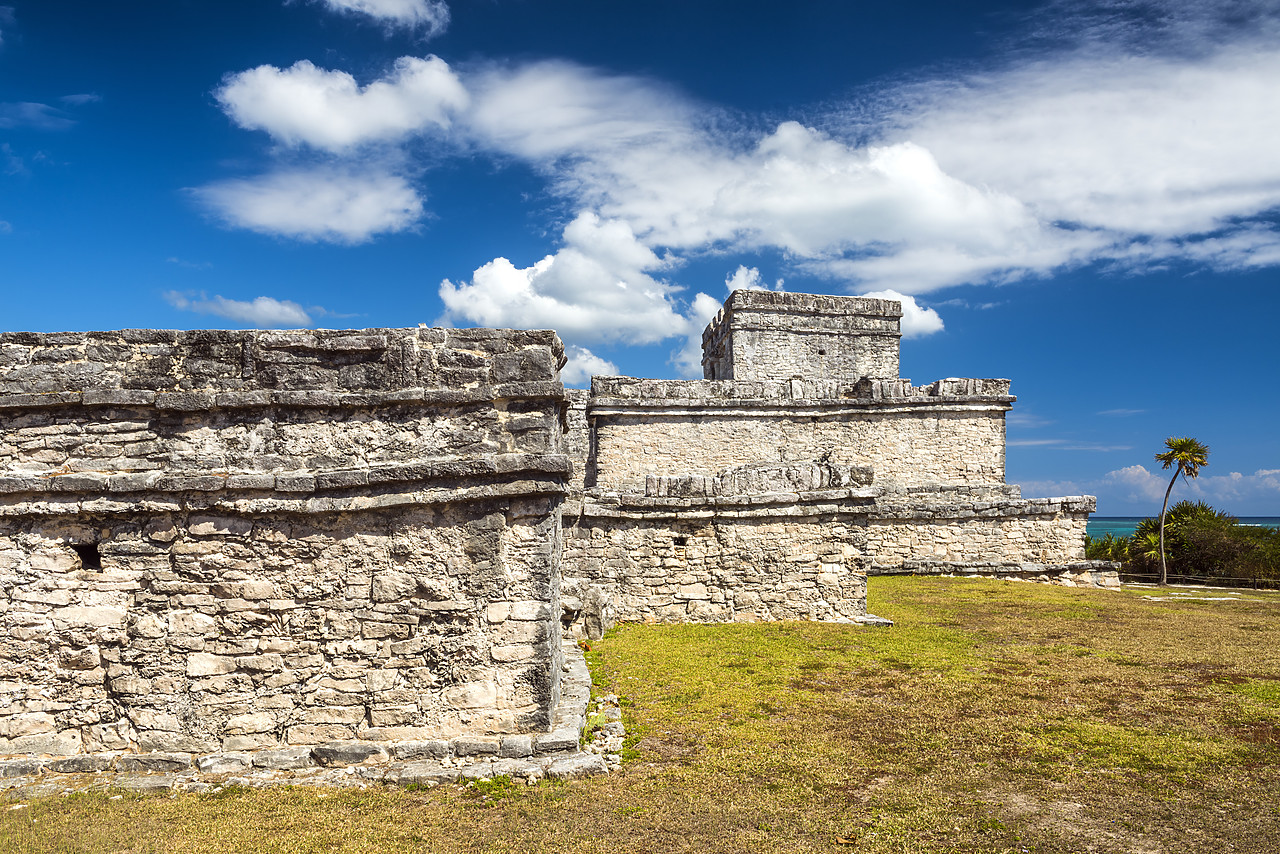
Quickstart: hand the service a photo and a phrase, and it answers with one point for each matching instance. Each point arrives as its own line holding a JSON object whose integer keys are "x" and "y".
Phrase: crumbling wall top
{"x": 364, "y": 361}
{"x": 824, "y": 304}
{"x": 766, "y": 335}
{"x": 612, "y": 392}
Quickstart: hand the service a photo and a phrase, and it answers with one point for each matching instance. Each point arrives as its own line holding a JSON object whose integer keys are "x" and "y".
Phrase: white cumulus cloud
{"x": 1130, "y": 146}
{"x": 748, "y": 279}
{"x": 1134, "y": 134}
{"x": 1154, "y": 133}
{"x": 430, "y": 15}
{"x": 306, "y": 105}
{"x": 262, "y": 313}
{"x": 631, "y": 150}
{"x": 582, "y": 365}
{"x": 916, "y": 320}
{"x": 321, "y": 204}
{"x": 599, "y": 287}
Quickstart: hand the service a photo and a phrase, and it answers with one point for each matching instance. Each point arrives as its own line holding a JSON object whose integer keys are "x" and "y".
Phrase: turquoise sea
{"x": 1123, "y": 526}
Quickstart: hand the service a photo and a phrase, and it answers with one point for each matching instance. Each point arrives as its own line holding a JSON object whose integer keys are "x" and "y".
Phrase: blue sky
{"x": 1082, "y": 197}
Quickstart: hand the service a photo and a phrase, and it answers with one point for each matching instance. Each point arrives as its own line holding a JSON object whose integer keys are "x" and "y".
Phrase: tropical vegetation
{"x": 1201, "y": 544}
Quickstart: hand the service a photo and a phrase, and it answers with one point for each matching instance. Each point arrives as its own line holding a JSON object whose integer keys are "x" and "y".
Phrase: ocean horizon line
{"x": 1124, "y": 526}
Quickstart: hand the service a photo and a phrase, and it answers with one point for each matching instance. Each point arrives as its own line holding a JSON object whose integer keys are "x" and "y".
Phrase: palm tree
{"x": 1188, "y": 455}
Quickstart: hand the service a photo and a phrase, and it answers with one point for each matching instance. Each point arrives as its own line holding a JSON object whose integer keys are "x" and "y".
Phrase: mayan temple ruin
{"x": 272, "y": 544}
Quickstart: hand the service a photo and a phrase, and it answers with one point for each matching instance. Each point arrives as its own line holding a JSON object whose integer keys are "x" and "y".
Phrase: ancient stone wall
{"x": 684, "y": 561}
{"x": 227, "y": 541}
{"x": 768, "y": 335}
{"x": 1041, "y": 531}
{"x": 930, "y": 435}
{"x": 201, "y": 633}
{"x": 579, "y": 438}
{"x": 243, "y": 540}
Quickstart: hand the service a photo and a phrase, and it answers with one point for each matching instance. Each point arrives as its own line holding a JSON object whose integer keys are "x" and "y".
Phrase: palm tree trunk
{"x": 1164, "y": 570}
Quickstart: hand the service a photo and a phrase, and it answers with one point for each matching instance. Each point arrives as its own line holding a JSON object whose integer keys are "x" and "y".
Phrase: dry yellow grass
{"x": 993, "y": 717}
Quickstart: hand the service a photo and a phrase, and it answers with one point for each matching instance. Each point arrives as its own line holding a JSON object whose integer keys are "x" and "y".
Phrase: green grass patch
{"x": 993, "y": 717}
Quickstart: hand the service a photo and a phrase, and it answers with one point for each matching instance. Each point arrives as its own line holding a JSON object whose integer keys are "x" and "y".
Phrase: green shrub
{"x": 1199, "y": 542}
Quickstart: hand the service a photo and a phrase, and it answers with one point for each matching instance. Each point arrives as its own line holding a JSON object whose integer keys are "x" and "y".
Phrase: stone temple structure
{"x": 268, "y": 542}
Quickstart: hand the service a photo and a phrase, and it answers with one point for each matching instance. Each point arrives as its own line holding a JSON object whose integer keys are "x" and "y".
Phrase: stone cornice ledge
{"x": 205, "y": 401}
{"x": 601, "y": 504}
{"x": 178, "y": 502}
{"x": 818, "y": 407}
{"x": 429, "y": 481}
{"x": 887, "y": 509}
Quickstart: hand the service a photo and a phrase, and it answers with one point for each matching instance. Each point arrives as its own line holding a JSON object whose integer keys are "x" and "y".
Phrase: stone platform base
{"x": 1086, "y": 573}
{"x": 555, "y": 754}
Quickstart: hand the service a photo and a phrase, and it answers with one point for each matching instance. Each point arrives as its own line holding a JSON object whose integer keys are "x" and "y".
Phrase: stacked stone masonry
{"x": 225, "y": 541}
{"x": 802, "y": 435}
{"x": 220, "y": 542}
{"x": 765, "y": 335}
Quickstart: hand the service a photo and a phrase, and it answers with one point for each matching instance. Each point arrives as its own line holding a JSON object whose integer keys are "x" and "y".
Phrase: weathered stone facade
{"x": 800, "y": 464}
{"x": 949, "y": 433}
{"x": 219, "y": 541}
{"x": 214, "y": 542}
{"x": 765, "y": 335}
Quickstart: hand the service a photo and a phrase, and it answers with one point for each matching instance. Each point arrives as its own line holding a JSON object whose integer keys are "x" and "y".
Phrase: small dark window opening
{"x": 90, "y": 557}
{"x": 681, "y": 541}
{"x": 822, "y": 352}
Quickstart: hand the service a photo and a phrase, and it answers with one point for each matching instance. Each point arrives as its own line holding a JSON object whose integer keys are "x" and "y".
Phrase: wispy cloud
{"x": 190, "y": 265}
{"x": 429, "y": 16}
{"x": 1144, "y": 138}
{"x": 1025, "y": 419}
{"x": 1121, "y": 413}
{"x": 6, "y": 21}
{"x": 263, "y": 312}
{"x": 80, "y": 99}
{"x": 1138, "y": 487}
{"x": 33, "y": 115}
{"x": 13, "y": 162}
{"x": 1066, "y": 445}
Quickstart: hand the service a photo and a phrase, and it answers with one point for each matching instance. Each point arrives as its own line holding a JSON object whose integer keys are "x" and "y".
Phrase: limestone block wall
{"x": 767, "y": 335}
{"x": 232, "y": 540}
{"x": 368, "y": 360}
{"x": 941, "y": 443}
{"x": 1041, "y": 531}
{"x": 140, "y": 402}
{"x": 628, "y": 562}
{"x": 200, "y": 632}
{"x": 578, "y": 438}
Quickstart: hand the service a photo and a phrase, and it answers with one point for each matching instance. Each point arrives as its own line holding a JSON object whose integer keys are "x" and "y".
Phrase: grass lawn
{"x": 994, "y": 716}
